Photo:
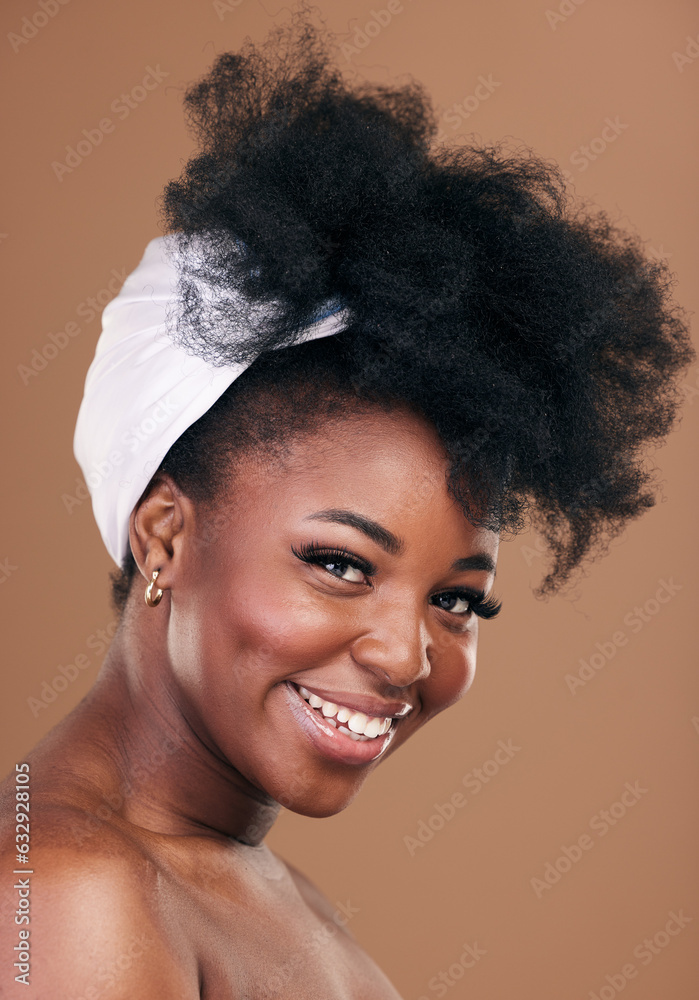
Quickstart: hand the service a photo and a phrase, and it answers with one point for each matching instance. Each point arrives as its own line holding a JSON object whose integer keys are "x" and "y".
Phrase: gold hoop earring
{"x": 150, "y": 600}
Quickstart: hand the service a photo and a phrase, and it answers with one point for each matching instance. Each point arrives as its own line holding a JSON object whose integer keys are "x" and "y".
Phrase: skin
{"x": 150, "y": 802}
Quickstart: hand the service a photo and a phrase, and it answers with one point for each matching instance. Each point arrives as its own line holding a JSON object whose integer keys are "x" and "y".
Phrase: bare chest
{"x": 290, "y": 962}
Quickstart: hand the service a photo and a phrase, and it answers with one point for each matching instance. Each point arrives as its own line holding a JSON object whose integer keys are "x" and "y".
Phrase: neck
{"x": 143, "y": 749}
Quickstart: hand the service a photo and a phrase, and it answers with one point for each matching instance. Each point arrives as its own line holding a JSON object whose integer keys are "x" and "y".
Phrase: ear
{"x": 157, "y": 527}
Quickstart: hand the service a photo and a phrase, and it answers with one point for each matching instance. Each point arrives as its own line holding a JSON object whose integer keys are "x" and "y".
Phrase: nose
{"x": 395, "y": 648}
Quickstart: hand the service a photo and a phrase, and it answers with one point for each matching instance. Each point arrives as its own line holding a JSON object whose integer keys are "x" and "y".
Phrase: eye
{"x": 466, "y": 602}
{"x": 344, "y": 565}
{"x": 340, "y": 568}
{"x": 338, "y": 562}
{"x": 460, "y": 603}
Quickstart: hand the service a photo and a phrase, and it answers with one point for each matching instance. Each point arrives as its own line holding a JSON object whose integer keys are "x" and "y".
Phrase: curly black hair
{"x": 537, "y": 337}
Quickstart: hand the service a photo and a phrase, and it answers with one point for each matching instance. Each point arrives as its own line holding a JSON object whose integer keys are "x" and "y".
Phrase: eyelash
{"x": 479, "y": 604}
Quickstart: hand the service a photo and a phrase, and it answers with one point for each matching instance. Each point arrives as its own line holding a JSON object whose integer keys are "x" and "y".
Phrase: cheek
{"x": 263, "y": 624}
{"x": 289, "y": 631}
{"x": 453, "y": 672}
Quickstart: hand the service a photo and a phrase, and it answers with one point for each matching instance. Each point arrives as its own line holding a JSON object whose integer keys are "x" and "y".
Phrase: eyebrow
{"x": 388, "y": 541}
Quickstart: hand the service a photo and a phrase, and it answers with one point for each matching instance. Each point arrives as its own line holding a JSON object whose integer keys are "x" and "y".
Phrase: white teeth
{"x": 373, "y": 728}
{"x": 358, "y": 722}
{"x": 356, "y": 725}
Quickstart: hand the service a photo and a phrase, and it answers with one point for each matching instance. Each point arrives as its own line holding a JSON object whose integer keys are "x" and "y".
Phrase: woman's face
{"x": 263, "y": 615}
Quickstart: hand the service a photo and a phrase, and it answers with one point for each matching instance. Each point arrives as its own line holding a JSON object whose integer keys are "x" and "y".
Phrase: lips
{"x": 356, "y": 725}
{"x": 367, "y": 704}
{"x": 330, "y": 741}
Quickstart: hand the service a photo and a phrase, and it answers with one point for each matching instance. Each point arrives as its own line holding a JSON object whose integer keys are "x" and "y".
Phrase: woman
{"x": 355, "y": 362}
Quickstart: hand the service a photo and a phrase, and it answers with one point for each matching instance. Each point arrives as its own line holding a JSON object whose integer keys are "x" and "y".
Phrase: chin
{"x": 316, "y": 811}
{"x": 320, "y": 802}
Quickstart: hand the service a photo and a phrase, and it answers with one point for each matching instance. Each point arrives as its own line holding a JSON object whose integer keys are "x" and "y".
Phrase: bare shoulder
{"x": 338, "y": 914}
{"x": 88, "y": 917}
{"x": 335, "y": 916}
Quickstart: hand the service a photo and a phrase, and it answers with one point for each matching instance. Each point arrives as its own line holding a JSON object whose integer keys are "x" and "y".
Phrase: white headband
{"x": 142, "y": 391}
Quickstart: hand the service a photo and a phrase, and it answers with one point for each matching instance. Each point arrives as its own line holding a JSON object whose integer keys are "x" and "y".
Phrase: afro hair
{"x": 537, "y": 337}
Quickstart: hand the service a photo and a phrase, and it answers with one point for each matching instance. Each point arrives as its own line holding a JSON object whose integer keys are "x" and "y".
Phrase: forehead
{"x": 395, "y": 446}
{"x": 388, "y": 466}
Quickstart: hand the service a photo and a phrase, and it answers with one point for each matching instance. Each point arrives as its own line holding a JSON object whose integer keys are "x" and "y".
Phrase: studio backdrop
{"x": 538, "y": 840}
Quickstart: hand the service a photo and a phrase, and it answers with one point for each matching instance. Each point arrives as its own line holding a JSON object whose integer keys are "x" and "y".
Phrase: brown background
{"x": 554, "y": 83}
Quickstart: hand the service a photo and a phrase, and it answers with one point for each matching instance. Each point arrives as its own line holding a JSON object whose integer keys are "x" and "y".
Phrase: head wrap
{"x": 143, "y": 390}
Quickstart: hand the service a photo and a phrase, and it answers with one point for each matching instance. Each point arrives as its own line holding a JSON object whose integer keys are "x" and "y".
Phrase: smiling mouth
{"x": 348, "y": 721}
